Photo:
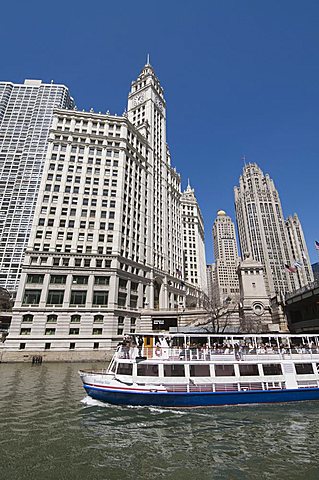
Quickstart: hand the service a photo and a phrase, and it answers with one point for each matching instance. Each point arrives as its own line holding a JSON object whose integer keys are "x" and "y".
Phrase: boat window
{"x": 303, "y": 368}
{"x": 147, "y": 370}
{"x": 272, "y": 369}
{"x": 112, "y": 367}
{"x": 247, "y": 370}
{"x": 174, "y": 370}
{"x": 224, "y": 370}
{"x": 199, "y": 370}
{"x": 124, "y": 369}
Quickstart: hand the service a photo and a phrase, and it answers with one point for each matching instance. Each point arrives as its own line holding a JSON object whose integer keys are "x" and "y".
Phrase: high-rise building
{"x": 299, "y": 250}
{"x": 315, "y": 271}
{"x": 210, "y": 271}
{"x": 26, "y": 112}
{"x": 105, "y": 254}
{"x": 193, "y": 240}
{"x": 226, "y": 283}
{"x": 262, "y": 229}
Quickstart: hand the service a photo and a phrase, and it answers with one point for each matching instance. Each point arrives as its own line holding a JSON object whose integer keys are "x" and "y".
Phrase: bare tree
{"x": 251, "y": 324}
{"x": 6, "y": 301}
{"x": 217, "y": 317}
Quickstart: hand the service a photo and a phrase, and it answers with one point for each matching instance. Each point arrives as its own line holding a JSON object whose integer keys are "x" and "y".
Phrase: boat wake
{"x": 91, "y": 402}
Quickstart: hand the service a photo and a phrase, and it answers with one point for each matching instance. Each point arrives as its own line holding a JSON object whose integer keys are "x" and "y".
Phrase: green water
{"x": 49, "y": 429}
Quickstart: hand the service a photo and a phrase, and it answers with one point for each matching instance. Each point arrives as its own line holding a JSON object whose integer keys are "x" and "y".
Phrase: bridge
{"x": 302, "y": 309}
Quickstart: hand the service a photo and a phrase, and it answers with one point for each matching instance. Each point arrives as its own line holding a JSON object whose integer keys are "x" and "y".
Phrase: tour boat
{"x": 202, "y": 370}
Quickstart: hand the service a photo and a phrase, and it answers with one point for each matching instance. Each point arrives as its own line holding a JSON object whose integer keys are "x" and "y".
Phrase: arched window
{"x": 98, "y": 318}
{"x": 52, "y": 318}
{"x": 75, "y": 318}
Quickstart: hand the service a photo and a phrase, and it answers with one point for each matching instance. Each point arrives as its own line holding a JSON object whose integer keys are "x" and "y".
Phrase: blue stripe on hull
{"x": 204, "y": 399}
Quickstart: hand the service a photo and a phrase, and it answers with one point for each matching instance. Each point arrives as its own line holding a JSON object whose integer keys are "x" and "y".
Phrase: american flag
{"x": 290, "y": 268}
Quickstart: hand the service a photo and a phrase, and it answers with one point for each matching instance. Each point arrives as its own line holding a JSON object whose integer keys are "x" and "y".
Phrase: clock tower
{"x": 146, "y": 105}
{"x": 147, "y": 112}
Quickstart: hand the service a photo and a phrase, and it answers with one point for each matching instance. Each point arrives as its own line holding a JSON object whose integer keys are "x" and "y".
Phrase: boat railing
{"x": 182, "y": 354}
{"x": 229, "y": 386}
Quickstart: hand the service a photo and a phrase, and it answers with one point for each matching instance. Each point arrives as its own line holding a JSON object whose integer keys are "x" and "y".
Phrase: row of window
{"x": 52, "y": 330}
{"x": 61, "y": 279}
{"x": 178, "y": 370}
{"x": 47, "y": 346}
{"x": 56, "y": 297}
{"x": 52, "y": 318}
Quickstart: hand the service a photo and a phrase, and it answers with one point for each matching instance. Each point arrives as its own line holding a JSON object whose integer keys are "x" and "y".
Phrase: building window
{"x": 47, "y": 346}
{"x": 78, "y": 297}
{"x": 121, "y": 300}
{"x": 98, "y": 319}
{"x": 96, "y": 345}
{"x": 100, "y": 298}
{"x": 75, "y": 318}
{"x": 58, "y": 279}
{"x": 72, "y": 346}
{"x": 101, "y": 280}
{"x": 97, "y": 331}
{"x": 50, "y": 331}
{"x": 25, "y": 331}
{"x": 74, "y": 331}
{"x": 52, "y": 318}
{"x": 22, "y": 346}
{"x": 80, "y": 280}
{"x": 55, "y": 297}
{"x": 28, "y": 318}
{"x": 31, "y": 297}
{"x": 35, "y": 278}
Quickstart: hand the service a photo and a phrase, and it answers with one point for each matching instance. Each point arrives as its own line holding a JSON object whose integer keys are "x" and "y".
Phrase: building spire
{"x": 188, "y": 189}
{"x": 148, "y": 59}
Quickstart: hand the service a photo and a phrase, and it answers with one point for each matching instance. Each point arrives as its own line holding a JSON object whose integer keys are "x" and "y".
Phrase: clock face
{"x": 138, "y": 99}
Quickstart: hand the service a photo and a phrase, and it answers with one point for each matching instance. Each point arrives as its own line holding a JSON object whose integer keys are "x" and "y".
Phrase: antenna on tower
{"x": 243, "y": 158}
{"x": 148, "y": 59}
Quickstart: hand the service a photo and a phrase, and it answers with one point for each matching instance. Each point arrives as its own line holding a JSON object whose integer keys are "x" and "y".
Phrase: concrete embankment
{"x": 58, "y": 356}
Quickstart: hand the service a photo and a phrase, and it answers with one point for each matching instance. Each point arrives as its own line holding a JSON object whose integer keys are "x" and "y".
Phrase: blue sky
{"x": 241, "y": 77}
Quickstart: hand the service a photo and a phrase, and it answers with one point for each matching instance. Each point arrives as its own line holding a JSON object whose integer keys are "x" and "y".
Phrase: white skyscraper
{"x": 262, "y": 229}
{"x": 193, "y": 240}
{"x": 299, "y": 250}
{"x": 105, "y": 254}
{"x": 26, "y": 112}
{"x": 226, "y": 283}
{"x": 210, "y": 271}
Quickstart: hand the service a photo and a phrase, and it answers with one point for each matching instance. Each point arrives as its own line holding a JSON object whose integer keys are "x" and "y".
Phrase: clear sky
{"x": 241, "y": 77}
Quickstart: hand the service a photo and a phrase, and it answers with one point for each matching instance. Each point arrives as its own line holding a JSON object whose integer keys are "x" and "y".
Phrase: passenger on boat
{"x": 140, "y": 343}
{"x": 126, "y": 347}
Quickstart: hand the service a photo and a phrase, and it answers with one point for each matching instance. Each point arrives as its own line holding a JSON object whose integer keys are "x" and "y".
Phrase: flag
{"x": 298, "y": 264}
{"x": 290, "y": 268}
{"x": 316, "y": 245}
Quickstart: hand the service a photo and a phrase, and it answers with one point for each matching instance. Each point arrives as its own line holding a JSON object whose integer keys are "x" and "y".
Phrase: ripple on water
{"x": 48, "y": 430}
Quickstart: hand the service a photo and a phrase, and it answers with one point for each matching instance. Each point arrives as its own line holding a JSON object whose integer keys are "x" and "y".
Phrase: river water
{"x": 50, "y": 429}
